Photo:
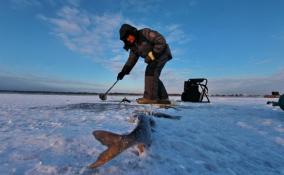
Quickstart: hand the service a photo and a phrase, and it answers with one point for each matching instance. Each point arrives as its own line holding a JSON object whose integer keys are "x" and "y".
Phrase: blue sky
{"x": 65, "y": 45}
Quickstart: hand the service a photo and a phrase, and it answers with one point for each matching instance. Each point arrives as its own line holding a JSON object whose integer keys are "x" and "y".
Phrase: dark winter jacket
{"x": 146, "y": 40}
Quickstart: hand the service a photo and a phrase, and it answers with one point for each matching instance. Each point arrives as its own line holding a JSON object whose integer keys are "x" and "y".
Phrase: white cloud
{"x": 72, "y": 2}
{"x": 264, "y": 61}
{"x": 138, "y": 6}
{"x": 25, "y": 3}
{"x": 172, "y": 83}
{"x": 258, "y": 85}
{"x": 117, "y": 62}
{"x": 192, "y": 3}
{"x": 278, "y": 36}
{"x": 43, "y": 3}
{"x": 86, "y": 33}
{"x": 176, "y": 35}
{"x": 258, "y": 61}
{"x": 40, "y": 83}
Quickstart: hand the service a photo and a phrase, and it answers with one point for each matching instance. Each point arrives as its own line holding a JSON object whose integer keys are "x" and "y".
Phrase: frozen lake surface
{"x": 52, "y": 134}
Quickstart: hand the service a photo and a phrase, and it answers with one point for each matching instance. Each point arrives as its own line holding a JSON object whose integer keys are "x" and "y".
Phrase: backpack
{"x": 191, "y": 92}
{"x": 195, "y": 89}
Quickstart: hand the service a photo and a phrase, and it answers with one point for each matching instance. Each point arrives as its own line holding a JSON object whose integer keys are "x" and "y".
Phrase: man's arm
{"x": 130, "y": 63}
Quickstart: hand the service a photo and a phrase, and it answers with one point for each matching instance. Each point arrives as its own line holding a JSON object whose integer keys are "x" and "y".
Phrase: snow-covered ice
{"x": 52, "y": 134}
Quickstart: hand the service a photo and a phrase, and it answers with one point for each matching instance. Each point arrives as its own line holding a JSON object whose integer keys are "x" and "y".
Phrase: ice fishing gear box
{"x": 195, "y": 89}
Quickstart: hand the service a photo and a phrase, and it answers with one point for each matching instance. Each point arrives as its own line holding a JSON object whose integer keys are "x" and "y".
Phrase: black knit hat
{"x": 125, "y": 30}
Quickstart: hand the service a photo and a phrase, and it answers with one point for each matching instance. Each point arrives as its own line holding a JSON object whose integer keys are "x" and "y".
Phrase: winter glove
{"x": 150, "y": 57}
{"x": 120, "y": 75}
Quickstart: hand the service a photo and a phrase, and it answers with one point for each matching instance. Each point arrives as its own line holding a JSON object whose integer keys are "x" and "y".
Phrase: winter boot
{"x": 146, "y": 101}
{"x": 164, "y": 101}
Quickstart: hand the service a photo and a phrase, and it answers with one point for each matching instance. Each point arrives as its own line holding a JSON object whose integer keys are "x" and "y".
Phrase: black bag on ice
{"x": 194, "y": 90}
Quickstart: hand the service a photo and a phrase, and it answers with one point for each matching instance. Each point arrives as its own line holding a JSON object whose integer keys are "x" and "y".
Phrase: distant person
{"x": 151, "y": 46}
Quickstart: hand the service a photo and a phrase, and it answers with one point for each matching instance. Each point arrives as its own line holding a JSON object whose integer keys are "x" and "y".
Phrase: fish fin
{"x": 116, "y": 144}
{"x": 105, "y": 156}
{"x": 141, "y": 148}
{"x": 107, "y": 138}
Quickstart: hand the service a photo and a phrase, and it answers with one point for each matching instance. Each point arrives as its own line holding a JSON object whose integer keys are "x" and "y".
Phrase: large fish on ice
{"x": 117, "y": 143}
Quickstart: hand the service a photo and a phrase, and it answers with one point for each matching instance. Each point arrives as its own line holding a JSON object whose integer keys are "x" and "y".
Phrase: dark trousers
{"x": 154, "y": 87}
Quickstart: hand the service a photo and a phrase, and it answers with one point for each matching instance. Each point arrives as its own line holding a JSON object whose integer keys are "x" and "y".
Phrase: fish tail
{"x": 116, "y": 144}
